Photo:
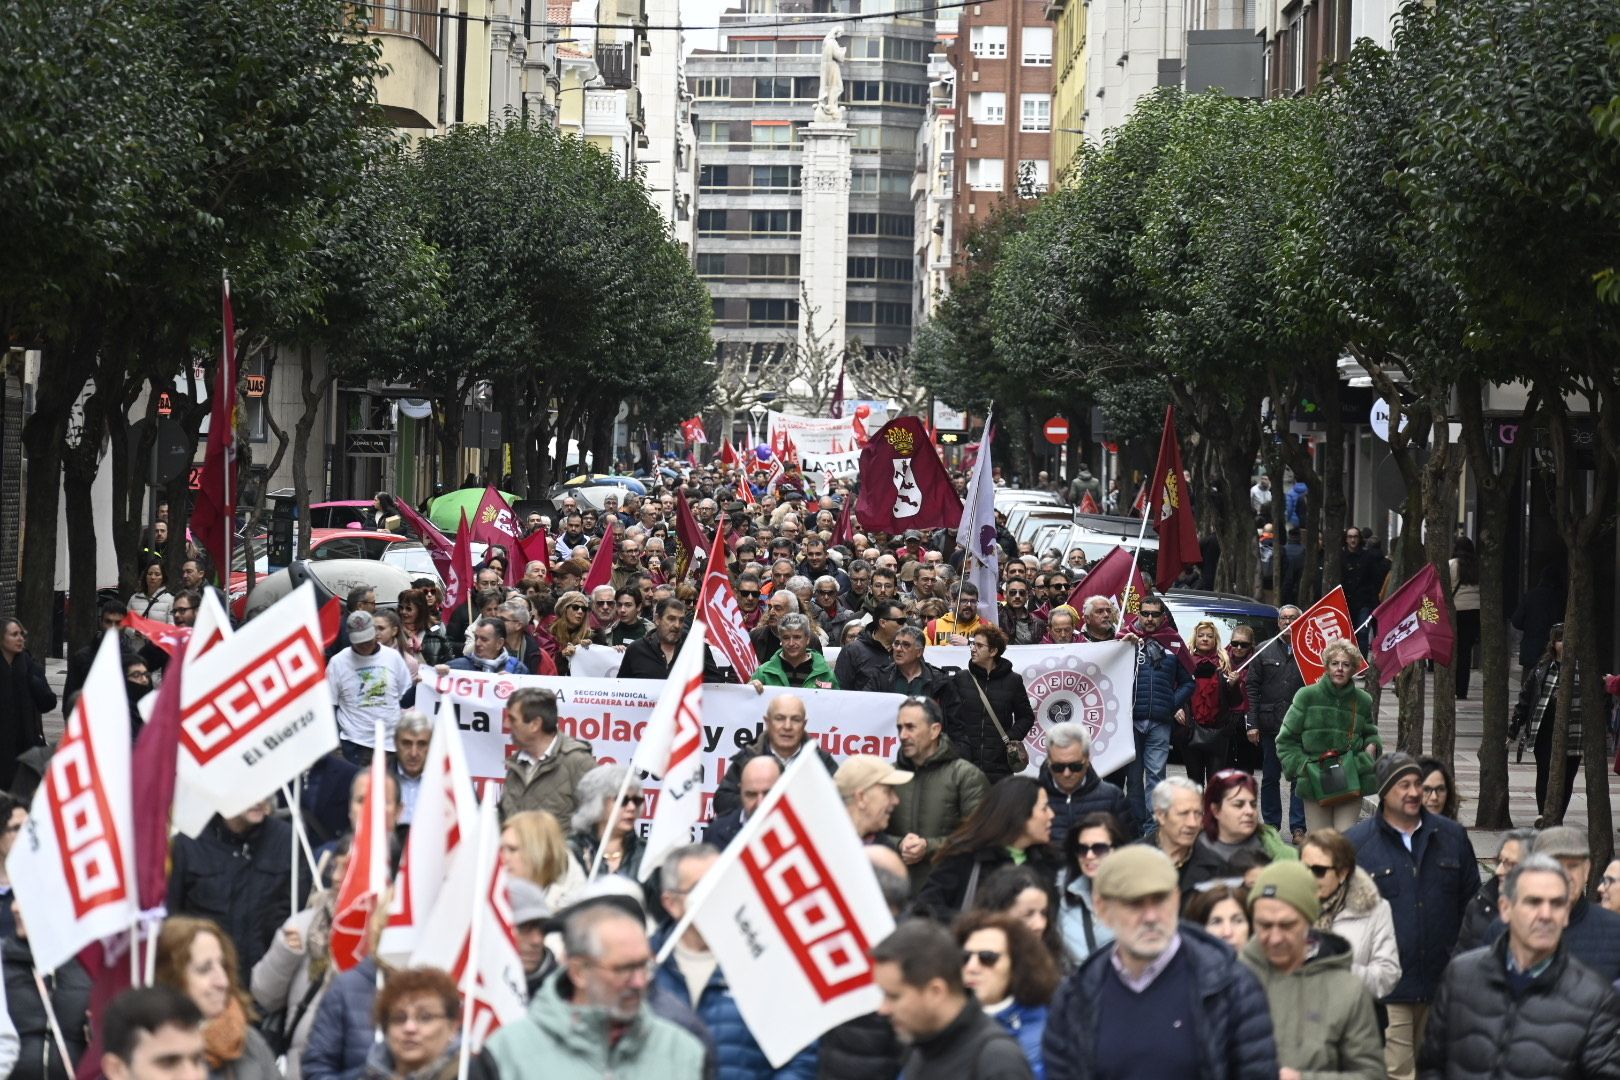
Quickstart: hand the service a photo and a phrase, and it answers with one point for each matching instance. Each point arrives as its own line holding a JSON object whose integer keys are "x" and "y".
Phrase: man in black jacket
{"x": 859, "y": 661}
{"x": 651, "y": 656}
{"x": 1524, "y": 1007}
{"x": 1273, "y": 681}
{"x": 1362, "y": 573}
{"x": 1073, "y": 788}
{"x": 1591, "y": 933}
{"x": 236, "y": 873}
{"x": 784, "y": 734}
{"x": 919, "y": 971}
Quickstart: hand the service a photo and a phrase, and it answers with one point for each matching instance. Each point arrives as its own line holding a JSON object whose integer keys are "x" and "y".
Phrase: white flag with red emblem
{"x": 366, "y": 878}
{"x": 791, "y": 910}
{"x": 473, "y": 937}
{"x": 671, "y": 748}
{"x": 718, "y": 610}
{"x": 73, "y": 864}
{"x": 443, "y": 822}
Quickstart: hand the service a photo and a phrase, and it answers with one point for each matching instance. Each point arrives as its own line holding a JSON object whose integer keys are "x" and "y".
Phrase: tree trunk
{"x": 311, "y": 390}
{"x": 1440, "y": 521}
{"x": 1496, "y": 489}
{"x": 1335, "y": 507}
{"x": 36, "y": 595}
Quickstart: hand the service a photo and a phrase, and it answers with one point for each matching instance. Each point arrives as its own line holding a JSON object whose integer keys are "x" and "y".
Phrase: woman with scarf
{"x": 572, "y": 628}
{"x": 197, "y": 958}
{"x": 1533, "y": 720}
{"x": 418, "y": 1012}
{"x": 1218, "y": 704}
{"x": 1353, "y": 908}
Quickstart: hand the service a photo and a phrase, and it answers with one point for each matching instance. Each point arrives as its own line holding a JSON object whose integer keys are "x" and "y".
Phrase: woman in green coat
{"x": 1328, "y": 741}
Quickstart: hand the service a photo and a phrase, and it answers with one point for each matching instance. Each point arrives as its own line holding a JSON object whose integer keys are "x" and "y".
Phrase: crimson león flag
{"x": 601, "y": 571}
{"x": 904, "y": 485}
{"x": 496, "y": 524}
{"x": 1412, "y": 626}
{"x": 1107, "y": 577}
{"x": 1171, "y": 511}
{"x": 689, "y": 538}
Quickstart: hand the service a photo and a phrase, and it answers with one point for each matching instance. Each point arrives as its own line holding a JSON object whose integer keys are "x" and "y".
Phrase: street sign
{"x": 1056, "y": 430}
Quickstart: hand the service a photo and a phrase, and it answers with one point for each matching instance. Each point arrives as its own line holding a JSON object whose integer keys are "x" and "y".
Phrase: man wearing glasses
{"x": 1073, "y": 788}
{"x": 1164, "y": 687}
{"x": 861, "y": 660}
{"x": 1017, "y": 621}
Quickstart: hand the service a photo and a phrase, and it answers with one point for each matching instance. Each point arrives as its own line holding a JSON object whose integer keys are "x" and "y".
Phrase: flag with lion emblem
{"x": 904, "y": 485}
{"x": 1171, "y": 511}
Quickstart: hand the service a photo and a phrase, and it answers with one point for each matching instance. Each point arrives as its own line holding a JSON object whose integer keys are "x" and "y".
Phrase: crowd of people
{"x": 1052, "y": 921}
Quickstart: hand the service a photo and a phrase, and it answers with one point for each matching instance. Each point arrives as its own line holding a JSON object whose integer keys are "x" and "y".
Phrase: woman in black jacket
{"x": 25, "y": 697}
{"x": 1533, "y": 722}
{"x": 38, "y": 1057}
{"x": 1013, "y": 826}
{"x": 989, "y": 679}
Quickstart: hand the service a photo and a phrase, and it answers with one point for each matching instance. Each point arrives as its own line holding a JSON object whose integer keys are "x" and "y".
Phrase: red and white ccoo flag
{"x": 73, "y": 866}
{"x": 443, "y": 823}
{"x": 791, "y": 910}
{"x": 671, "y": 748}
{"x": 473, "y": 937}
{"x": 366, "y": 878}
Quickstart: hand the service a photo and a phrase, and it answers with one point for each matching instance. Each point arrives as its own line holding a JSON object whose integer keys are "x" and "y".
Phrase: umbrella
{"x": 445, "y": 511}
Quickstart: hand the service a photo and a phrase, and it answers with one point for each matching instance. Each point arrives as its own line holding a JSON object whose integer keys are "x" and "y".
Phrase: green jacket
{"x": 1325, "y": 718}
{"x": 1322, "y": 1016}
{"x": 773, "y": 672}
{"x": 943, "y": 791}
{"x": 563, "y": 1041}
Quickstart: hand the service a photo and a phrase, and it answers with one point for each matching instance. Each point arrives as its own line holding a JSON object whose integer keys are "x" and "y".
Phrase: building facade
{"x": 932, "y": 186}
{"x": 752, "y": 100}
{"x": 1003, "y": 58}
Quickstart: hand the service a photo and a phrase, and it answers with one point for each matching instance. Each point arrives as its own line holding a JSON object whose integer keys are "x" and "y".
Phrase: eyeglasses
{"x": 748, "y": 594}
{"x": 420, "y": 1019}
{"x": 603, "y": 603}
{"x": 1439, "y": 789}
{"x": 1067, "y": 766}
{"x": 1095, "y": 851}
{"x": 575, "y": 607}
{"x": 985, "y": 957}
{"x": 1150, "y": 615}
{"x": 1242, "y": 645}
{"x": 826, "y": 592}
{"x": 627, "y": 971}
{"x": 634, "y": 800}
{"x": 1318, "y": 869}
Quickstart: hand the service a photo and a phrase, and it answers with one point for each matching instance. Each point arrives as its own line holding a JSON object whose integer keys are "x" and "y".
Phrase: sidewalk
{"x": 1470, "y": 727}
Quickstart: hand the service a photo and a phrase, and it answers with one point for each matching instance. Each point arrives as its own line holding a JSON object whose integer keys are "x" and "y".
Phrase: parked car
{"x": 334, "y": 576}
{"x": 324, "y": 545}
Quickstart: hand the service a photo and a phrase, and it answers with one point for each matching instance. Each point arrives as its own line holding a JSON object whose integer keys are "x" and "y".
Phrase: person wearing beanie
{"x": 1425, "y": 867}
{"x": 1322, "y": 1015}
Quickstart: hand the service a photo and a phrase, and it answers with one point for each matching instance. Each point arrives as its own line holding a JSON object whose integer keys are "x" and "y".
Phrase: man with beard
{"x": 1017, "y": 622}
{"x": 651, "y": 656}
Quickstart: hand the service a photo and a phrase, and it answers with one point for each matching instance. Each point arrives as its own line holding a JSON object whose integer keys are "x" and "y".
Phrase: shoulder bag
{"x": 1017, "y": 755}
{"x": 1337, "y": 776}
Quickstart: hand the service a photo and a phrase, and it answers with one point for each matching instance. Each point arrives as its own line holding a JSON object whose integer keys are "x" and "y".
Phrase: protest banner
{"x": 813, "y": 434}
{"x": 256, "y": 713}
{"x": 791, "y": 911}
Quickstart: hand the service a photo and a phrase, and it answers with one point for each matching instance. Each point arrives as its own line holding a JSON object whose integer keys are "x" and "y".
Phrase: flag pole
{"x": 1269, "y": 643}
{"x": 50, "y": 1018}
{"x": 469, "y": 978}
{"x": 290, "y": 793}
{"x": 228, "y": 508}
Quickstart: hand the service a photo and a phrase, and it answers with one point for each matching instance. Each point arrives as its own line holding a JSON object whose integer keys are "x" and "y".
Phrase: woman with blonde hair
{"x": 197, "y": 958}
{"x": 1217, "y": 704}
{"x": 572, "y": 630}
{"x": 533, "y": 848}
{"x": 1328, "y": 741}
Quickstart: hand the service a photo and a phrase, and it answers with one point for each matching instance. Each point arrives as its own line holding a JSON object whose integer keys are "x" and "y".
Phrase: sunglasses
{"x": 575, "y": 607}
{"x": 1094, "y": 850}
{"x": 986, "y": 957}
{"x": 1318, "y": 869}
{"x": 1068, "y": 766}
{"x": 751, "y": 595}
{"x": 635, "y": 800}
{"x": 1242, "y": 645}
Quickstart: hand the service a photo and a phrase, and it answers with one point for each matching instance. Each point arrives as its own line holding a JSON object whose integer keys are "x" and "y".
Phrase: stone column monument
{"x": 824, "y": 235}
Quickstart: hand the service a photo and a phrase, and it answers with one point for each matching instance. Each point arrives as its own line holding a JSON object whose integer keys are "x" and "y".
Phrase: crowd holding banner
{"x": 924, "y": 853}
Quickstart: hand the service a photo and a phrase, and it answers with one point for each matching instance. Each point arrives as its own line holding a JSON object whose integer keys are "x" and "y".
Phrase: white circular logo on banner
{"x": 1068, "y": 688}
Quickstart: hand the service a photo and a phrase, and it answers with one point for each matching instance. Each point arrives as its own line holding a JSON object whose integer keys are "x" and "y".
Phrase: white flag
{"x": 73, "y": 866}
{"x": 791, "y": 910}
{"x": 977, "y": 530}
{"x": 671, "y": 749}
{"x": 473, "y": 918}
{"x": 257, "y": 712}
{"x": 211, "y": 626}
{"x": 444, "y": 822}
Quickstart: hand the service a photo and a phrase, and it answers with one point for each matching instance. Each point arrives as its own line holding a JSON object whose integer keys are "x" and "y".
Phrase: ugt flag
{"x": 1171, "y": 510}
{"x": 977, "y": 532}
{"x": 904, "y": 485}
{"x": 1327, "y": 621}
{"x": 73, "y": 866}
{"x": 791, "y": 910}
{"x": 671, "y": 749}
{"x": 717, "y": 608}
{"x": 494, "y": 524}
{"x": 1412, "y": 626}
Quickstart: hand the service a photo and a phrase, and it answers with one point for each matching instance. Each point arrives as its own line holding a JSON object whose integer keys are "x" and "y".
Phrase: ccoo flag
{"x": 1412, "y": 625}
{"x": 671, "y": 749}
{"x": 977, "y": 532}
{"x": 904, "y": 485}
{"x": 791, "y": 910}
{"x": 1171, "y": 511}
{"x": 73, "y": 864}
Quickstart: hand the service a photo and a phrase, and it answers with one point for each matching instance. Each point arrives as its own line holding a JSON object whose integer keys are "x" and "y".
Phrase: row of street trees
{"x": 146, "y": 146}
{"x": 1446, "y": 212}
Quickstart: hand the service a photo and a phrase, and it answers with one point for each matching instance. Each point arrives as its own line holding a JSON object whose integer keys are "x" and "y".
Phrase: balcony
{"x": 408, "y": 91}
{"x": 617, "y": 65}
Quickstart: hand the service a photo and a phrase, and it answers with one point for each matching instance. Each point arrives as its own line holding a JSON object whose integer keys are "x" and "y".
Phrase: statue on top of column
{"x": 828, "y": 110}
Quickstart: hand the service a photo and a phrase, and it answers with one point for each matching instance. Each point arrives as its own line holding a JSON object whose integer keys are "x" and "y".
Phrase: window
{"x": 713, "y": 177}
{"x": 864, "y": 90}
{"x": 773, "y": 266}
{"x": 714, "y": 131}
{"x": 773, "y": 88}
{"x": 906, "y": 50}
{"x": 711, "y": 223}
{"x": 869, "y": 268}
{"x": 776, "y": 177}
{"x": 899, "y": 93}
{"x": 985, "y": 174}
{"x": 868, "y": 137}
{"x": 1035, "y": 175}
{"x": 892, "y": 314}
{"x": 1035, "y": 112}
{"x": 1037, "y": 49}
{"x": 988, "y": 107}
{"x": 858, "y": 312}
{"x": 773, "y": 313}
{"x": 711, "y": 265}
{"x": 863, "y": 224}
{"x": 988, "y": 42}
{"x": 772, "y": 135}
{"x": 773, "y": 222}
{"x": 713, "y": 87}
{"x": 806, "y": 87}
{"x": 896, "y": 225}
{"x": 866, "y": 48}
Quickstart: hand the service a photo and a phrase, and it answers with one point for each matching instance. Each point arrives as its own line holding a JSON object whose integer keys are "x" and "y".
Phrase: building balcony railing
{"x": 417, "y": 19}
{"x": 616, "y": 65}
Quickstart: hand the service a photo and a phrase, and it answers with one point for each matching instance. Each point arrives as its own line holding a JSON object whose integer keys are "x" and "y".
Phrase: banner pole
{"x": 1130, "y": 576}
{"x": 301, "y": 839}
{"x": 469, "y": 978}
{"x": 291, "y": 794}
{"x": 135, "y": 951}
{"x": 50, "y": 1018}
{"x": 151, "y": 952}
{"x": 607, "y": 823}
{"x": 1269, "y": 643}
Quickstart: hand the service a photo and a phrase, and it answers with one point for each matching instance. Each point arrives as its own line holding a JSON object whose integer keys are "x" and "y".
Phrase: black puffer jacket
{"x": 859, "y": 1049}
{"x": 1094, "y": 795}
{"x": 1566, "y": 1024}
{"x": 1273, "y": 682}
{"x": 37, "y": 1055}
{"x": 240, "y": 882}
{"x": 1592, "y": 937}
{"x": 1232, "y": 1024}
{"x": 860, "y": 660}
{"x": 974, "y": 731}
